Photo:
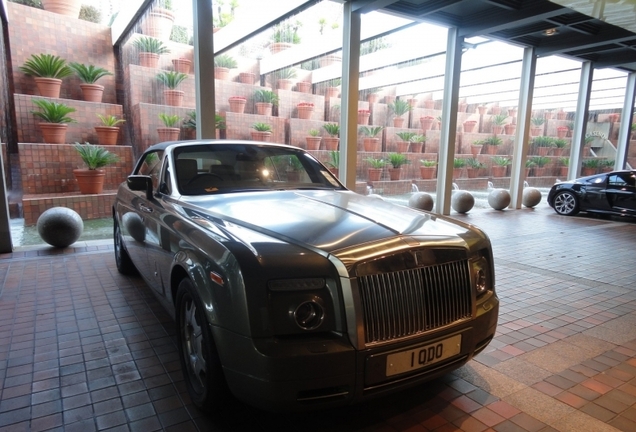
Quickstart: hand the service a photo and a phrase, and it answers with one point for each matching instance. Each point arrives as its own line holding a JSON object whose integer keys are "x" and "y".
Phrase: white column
{"x": 204, "y": 67}
{"x": 580, "y": 120}
{"x": 625, "y": 129}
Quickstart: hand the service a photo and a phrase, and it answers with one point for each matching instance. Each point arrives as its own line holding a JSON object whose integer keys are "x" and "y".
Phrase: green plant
{"x": 266, "y": 96}
{"x": 110, "y": 120}
{"x": 95, "y": 157}
{"x": 633, "y": 126}
{"x": 543, "y": 141}
{"x": 459, "y": 163}
{"x": 286, "y": 32}
{"x": 560, "y": 143}
{"x": 540, "y": 161}
{"x": 169, "y": 120}
{"x": 333, "y": 129}
{"x": 285, "y": 73}
{"x": 428, "y": 162}
{"x": 150, "y": 45}
{"x": 398, "y": 159}
{"x": 334, "y": 159}
{"x": 565, "y": 161}
{"x": 221, "y": 19}
{"x": 406, "y": 136}
{"x": 606, "y": 163}
{"x": 88, "y": 74}
{"x": 418, "y": 139}
{"x": 530, "y": 163}
{"x": 295, "y": 164}
{"x": 371, "y": 131}
{"x": 53, "y": 112}
{"x": 226, "y": 61}
{"x": 171, "y": 79}
{"x": 537, "y": 121}
{"x": 191, "y": 121}
{"x": 591, "y": 163}
{"x": 499, "y": 119}
{"x": 313, "y": 132}
{"x": 500, "y": 161}
{"x": 492, "y": 140}
{"x": 46, "y": 66}
{"x": 262, "y": 127}
{"x": 90, "y": 13}
{"x": 376, "y": 163}
{"x": 31, "y": 3}
{"x": 474, "y": 163}
{"x": 400, "y": 107}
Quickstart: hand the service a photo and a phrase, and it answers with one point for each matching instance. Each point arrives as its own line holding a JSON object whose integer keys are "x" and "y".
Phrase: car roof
{"x": 162, "y": 146}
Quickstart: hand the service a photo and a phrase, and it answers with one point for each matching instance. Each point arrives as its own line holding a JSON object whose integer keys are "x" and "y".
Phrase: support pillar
{"x": 625, "y": 131}
{"x": 203, "y": 65}
{"x": 580, "y": 120}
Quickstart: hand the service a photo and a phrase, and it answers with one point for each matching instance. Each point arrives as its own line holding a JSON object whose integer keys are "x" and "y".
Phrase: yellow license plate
{"x": 422, "y": 356}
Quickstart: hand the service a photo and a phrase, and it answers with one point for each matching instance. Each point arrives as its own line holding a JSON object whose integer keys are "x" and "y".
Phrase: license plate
{"x": 422, "y": 356}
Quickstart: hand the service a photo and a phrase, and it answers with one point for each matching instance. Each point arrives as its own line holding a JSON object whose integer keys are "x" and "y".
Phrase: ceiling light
{"x": 550, "y": 32}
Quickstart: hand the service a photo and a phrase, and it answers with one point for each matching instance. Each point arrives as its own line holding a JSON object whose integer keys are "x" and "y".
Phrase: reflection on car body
{"x": 292, "y": 292}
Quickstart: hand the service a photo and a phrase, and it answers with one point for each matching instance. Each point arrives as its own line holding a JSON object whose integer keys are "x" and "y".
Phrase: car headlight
{"x": 481, "y": 276}
{"x": 309, "y": 315}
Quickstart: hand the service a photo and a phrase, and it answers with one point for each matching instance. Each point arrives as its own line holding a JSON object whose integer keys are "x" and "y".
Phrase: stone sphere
{"x": 134, "y": 226}
{"x": 499, "y": 199}
{"x": 60, "y": 226}
{"x": 531, "y": 197}
{"x": 462, "y": 201}
{"x": 421, "y": 201}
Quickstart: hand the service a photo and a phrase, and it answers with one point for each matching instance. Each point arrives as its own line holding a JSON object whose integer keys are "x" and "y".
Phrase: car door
{"x": 621, "y": 192}
{"x": 593, "y": 194}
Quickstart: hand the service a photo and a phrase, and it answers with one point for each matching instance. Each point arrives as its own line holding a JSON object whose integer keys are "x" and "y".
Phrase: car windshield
{"x": 202, "y": 169}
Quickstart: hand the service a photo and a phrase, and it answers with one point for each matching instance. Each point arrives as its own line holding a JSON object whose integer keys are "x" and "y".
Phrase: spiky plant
{"x": 150, "y": 45}
{"x": 46, "y": 66}
{"x": 171, "y": 79}
{"x": 95, "y": 157}
{"x": 110, "y": 120}
{"x": 169, "y": 120}
{"x": 53, "y": 112}
{"x": 88, "y": 74}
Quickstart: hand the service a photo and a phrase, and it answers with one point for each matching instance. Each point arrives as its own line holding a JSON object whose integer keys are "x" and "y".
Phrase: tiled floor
{"x": 84, "y": 348}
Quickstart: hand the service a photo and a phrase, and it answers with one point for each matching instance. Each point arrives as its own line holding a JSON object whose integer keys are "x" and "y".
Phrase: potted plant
{"x": 510, "y": 128}
{"x": 283, "y": 78}
{"x": 427, "y": 169}
{"x": 313, "y": 139}
{"x": 190, "y": 124}
{"x": 564, "y": 166}
{"x": 47, "y": 70}
{"x": 590, "y": 166}
{"x": 222, "y": 65}
{"x": 399, "y": 107}
{"x": 371, "y": 143}
{"x": 170, "y": 130}
{"x": 529, "y": 165}
{"x": 55, "y": 120}
{"x": 261, "y": 132}
{"x": 469, "y": 126}
{"x": 334, "y": 162}
{"x": 499, "y": 166}
{"x": 376, "y": 166}
{"x": 305, "y": 109}
{"x": 237, "y": 104}
{"x": 284, "y": 36}
{"x": 491, "y": 144}
{"x": 473, "y": 167}
{"x": 475, "y": 147}
{"x": 158, "y": 22}
{"x": 542, "y": 145}
{"x": 69, "y": 8}
{"x": 498, "y": 121}
{"x": 333, "y": 129}
{"x": 89, "y": 74}
{"x": 181, "y": 64}
{"x": 265, "y": 99}
{"x": 172, "y": 80}
{"x": 417, "y": 143}
{"x": 363, "y": 116}
{"x": 537, "y": 125}
{"x": 427, "y": 122}
{"x": 458, "y": 167}
{"x": 90, "y": 180}
{"x": 560, "y": 145}
{"x": 107, "y": 133}
{"x": 303, "y": 86}
{"x": 562, "y": 131}
{"x": 606, "y": 165}
{"x": 150, "y": 49}
{"x": 539, "y": 166}
{"x": 405, "y": 141}
{"x": 396, "y": 160}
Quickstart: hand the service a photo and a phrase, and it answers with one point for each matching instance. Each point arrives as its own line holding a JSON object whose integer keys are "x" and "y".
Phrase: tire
{"x": 125, "y": 265}
{"x": 566, "y": 203}
{"x": 200, "y": 361}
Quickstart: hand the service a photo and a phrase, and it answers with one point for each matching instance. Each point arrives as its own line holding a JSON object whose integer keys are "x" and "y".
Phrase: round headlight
{"x": 480, "y": 281}
{"x": 309, "y": 315}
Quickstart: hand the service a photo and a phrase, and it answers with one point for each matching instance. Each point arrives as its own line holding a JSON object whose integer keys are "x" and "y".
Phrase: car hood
{"x": 327, "y": 220}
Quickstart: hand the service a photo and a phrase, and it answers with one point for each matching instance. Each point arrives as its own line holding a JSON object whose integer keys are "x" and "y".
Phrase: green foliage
{"x": 474, "y": 163}
{"x": 428, "y": 162}
{"x": 286, "y": 32}
{"x": 180, "y": 34}
{"x": 459, "y": 163}
{"x": 374, "y": 45}
{"x": 110, "y": 120}
{"x": 171, "y": 79}
{"x": 376, "y": 163}
{"x": 32, "y": 3}
{"x": 90, "y": 13}
{"x": 418, "y": 139}
{"x": 94, "y": 156}
{"x": 333, "y": 129}
{"x": 46, "y": 66}
{"x": 88, "y": 74}
{"x": 499, "y": 119}
{"x": 492, "y": 140}
{"x": 284, "y": 73}
{"x": 262, "y": 127}
{"x": 543, "y": 141}
{"x": 53, "y": 112}
{"x": 565, "y": 161}
{"x": 560, "y": 143}
{"x": 371, "y": 131}
{"x": 313, "y": 132}
{"x": 266, "y": 96}
{"x": 540, "y": 161}
{"x": 398, "y": 159}
{"x": 500, "y": 161}
{"x": 530, "y": 163}
{"x": 150, "y": 45}
{"x": 169, "y": 120}
{"x": 537, "y": 121}
{"x": 191, "y": 121}
{"x": 334, "y": 159}
{"x": 406, "y": 136}
{"x": 591, "y": 163}
{"x": 400, "y": 107}
{"x": 226, "y": 61}
{"x": 220, "y": 18}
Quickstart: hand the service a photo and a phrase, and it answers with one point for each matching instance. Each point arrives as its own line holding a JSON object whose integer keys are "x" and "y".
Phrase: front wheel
{"x": 566, "y": 203}
{"x": 122, "y": 259}
{"x": 199, "y": 358}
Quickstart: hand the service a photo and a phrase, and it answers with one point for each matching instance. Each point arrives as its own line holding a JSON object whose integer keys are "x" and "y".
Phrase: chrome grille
{"x": 404, "y": 303}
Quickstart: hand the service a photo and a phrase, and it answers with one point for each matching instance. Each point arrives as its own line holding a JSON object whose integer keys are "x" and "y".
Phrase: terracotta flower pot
{"x": 490, "y": 149}
{"x": 536, "y": 131}
{"x": 48, "y": 87}
{"x": 371, "y": 144}
{"x": 510, "y": 129}
{"x": 63, "y": 7}
{"x": 429, "y": 104}
{"x": 221, "y": 73}
{"x": 173, "y": 97}
{"x": 395, "y": 173}
{"x": 426, "y": 122}
{"x": 147, "y": 59}
{"x": 398, "y": 122}
{"x": 498, "y": 171}
{"x": 285, "y": 84}
{"x": 416, "y": 147}
{"x": 561, "y": 115}
{"x": 374, "y": 174}
{"x": 475, "y": 150}
{"x": 261, "y": 136}
{"x": 92, "y": 92}
{"x": 402, "y": 146}
{"x": 237, "y": 105}
{"x": 469, "y": 126}
{"x": 303, "y": 86}
{"x": 496, "y": 129}
{"x": 427, "y": 173}
{"x": 363, "y": 117}
{"x": 90, "y": 181}
{"x": 247, "y": 78}
{"x": 313, "y": 142}
{"x": 305, "y": 111}
{"x": 168, "y": 133}
{"x": 373, "y": 98}
{"x": 107, "y": 135}
{"x": 158, "y": 23}
{"x": 277, "y": 47}
{"x": 331, "y": 92}
{"x": 54, "y": 133}
{"x": 562, "y": 132}
{"x": 264, "y": 108}
{"x": 181, "y": 65}
{"x": 331, "y": 143}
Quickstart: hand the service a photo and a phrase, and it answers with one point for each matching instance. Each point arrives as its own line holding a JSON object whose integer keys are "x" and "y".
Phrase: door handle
{"x": 145, "y": 209}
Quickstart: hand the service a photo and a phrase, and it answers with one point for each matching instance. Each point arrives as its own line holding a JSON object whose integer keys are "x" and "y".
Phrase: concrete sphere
{"x": 421, "y": 201}
{"x": 531, "y": 197}
{"x": 134, "y": 226}
{"x": 60, "y": 226}
{"x": 462, "y": 201}
{"x": 499, "y": 199}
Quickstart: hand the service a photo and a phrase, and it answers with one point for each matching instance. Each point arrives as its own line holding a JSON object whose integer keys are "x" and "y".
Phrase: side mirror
{"x": 140, "y": 183}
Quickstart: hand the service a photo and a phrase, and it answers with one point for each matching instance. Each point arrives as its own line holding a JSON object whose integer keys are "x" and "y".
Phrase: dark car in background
{"x": 290, "y": 291}
{"x": 608, "y": 193}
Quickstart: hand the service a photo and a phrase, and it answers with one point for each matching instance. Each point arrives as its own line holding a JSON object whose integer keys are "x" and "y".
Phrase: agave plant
{"x": 406, "y": 136}
{"x": 400, "y": 107}
{"x": 500, "y": 161}
{"x": 371, "y": 131}
{"x": 333, "y": 129}
{"x": 46, "y": 66}
{"x": 150, "y": 45}
{"x": 110, "y": 120}
{"x": 53, "y": 112}
{"x": 169, "y": 120}
{"x": 95, "y": 157}
{"x": 376, "y": 163}
{"x": 266, "y": 96}
{"x": 398, "y": 159}
{"x": 88, "y": 74}
{"x": 171, "y": 79}
{"x": 226, "y": 61}
{"x": 540, "y": 161}
{"x": 262, "y": 127}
